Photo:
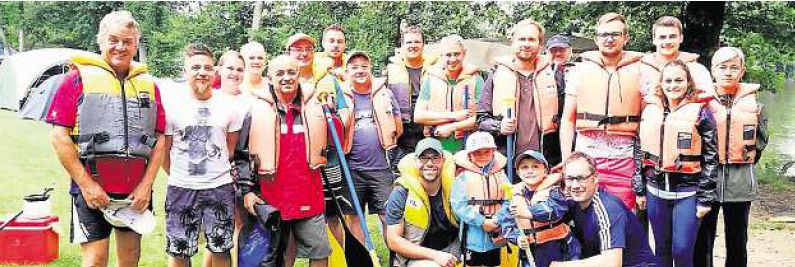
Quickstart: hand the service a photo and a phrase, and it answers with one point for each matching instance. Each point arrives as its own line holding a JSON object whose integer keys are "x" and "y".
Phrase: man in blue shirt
{"x": 610, "y": 233}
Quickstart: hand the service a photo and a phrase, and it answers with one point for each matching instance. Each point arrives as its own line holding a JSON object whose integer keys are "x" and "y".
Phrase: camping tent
{"x": 38, "y": 100}
{"x": 482, "y": 51}
{"x": 24, "y": 71}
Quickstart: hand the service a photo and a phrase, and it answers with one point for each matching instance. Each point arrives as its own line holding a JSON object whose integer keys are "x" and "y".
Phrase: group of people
{"x": 560, "y": 163}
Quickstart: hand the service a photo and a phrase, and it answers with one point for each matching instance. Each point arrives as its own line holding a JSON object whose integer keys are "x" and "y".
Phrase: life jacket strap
{"x": 602, "y": 119}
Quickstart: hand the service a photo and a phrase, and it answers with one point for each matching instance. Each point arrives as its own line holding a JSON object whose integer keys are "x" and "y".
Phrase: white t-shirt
{"x": 242, "y": 103}
{"x": 199, "y": 156}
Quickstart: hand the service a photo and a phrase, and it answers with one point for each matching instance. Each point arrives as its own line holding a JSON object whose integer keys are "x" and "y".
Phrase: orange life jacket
{"x": 445, "y": 98}
{"x": 489, "y": 191}
{"x": 740, "y": 120}
{"x": 545, "y": 92}
{"x": 670, "y": 140}
{"x": 609, "y": 101}
{"x": 382, "y": 114}
{"x": 543, "y": 231}
{"x": 650, "y": 69}
{"x": 266, "y": 128}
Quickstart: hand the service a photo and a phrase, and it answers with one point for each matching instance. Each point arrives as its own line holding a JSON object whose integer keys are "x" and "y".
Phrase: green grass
{"x": 29, "y": 164}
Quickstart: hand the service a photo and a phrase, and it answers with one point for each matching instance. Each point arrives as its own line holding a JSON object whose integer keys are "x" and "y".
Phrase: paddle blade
{"x": 355, "y": 252}
{"x": 337, "y": 258}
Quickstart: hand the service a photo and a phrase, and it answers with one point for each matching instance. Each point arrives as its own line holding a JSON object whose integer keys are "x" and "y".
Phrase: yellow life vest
{"x": 116, "y": 117}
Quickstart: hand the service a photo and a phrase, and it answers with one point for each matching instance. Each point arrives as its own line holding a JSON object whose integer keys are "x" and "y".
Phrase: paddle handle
{"x": 510, "y": 149}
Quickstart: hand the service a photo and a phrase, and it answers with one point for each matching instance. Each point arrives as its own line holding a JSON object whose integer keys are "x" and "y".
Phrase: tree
{"x": 702, "y": 23}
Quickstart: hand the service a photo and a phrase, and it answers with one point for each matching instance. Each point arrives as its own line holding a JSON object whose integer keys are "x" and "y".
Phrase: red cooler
{"x": 29, "y": 242}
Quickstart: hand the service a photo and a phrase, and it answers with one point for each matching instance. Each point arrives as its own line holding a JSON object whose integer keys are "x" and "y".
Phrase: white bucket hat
{"x": 119, "y": 213}
{"x": 479, "y": 140}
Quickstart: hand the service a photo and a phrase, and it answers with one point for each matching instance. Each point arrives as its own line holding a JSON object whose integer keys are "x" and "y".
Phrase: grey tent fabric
{"x": 37, "y": 102}
{"x": 21, "y": 72}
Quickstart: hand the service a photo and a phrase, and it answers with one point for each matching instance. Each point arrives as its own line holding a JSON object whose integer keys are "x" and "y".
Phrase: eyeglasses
{"x": 611, "y": 35}
{"x": 434, "y": 160}
{"x": 580, "y": 179}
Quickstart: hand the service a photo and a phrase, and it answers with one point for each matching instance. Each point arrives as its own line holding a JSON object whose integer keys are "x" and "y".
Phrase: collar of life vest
{"x": 135, "y": 67}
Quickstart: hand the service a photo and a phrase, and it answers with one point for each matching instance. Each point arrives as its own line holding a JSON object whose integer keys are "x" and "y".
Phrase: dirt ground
{"x": 769, "y": 244}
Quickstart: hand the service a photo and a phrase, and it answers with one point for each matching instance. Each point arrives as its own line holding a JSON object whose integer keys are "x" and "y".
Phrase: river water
{"x": 780, "y": 108}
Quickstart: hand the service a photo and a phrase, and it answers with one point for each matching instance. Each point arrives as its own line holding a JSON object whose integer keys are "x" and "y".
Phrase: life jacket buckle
{"x": 101, "y": 137}
{"x": 148, "y": 141}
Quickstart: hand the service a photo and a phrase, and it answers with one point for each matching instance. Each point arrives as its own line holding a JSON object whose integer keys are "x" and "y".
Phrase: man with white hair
{"x": 109, "y": 154}
{"x": 742, "y": 136}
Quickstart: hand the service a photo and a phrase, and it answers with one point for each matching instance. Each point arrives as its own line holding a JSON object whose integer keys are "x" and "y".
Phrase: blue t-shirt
{"x": 367, "y": 154}
{"x": 607, "y": 224}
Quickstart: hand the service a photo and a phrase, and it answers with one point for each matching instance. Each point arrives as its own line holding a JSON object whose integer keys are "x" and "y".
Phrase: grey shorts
{"x": 310, "y": 235}
{"x": 373, "y": 189}
{"x": 188, "y": 211}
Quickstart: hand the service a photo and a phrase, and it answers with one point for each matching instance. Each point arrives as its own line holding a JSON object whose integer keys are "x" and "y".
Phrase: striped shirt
{"x": 608, "y": 224}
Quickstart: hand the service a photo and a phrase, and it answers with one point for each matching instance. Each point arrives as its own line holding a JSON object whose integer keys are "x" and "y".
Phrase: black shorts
{"x": 333, "y": 175}
{"x": 373, "y": 189}
{"x": 488, "y": 258}
{"x": 89, "y": 224}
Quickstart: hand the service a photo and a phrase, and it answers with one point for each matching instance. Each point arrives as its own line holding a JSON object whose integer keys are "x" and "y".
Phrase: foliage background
{"x": 762, "y": 29}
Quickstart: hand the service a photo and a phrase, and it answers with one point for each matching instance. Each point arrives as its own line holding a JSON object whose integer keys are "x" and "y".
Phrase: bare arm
{"x": 67, "y": 154}
{"x": 92, "y": 192}
{"x": 463, "y": 125}
{"x": 155, "y": 160}
{"x": 142, "y": 194}
{"x": 567, "y": 126}
{"x": 231, "y": 143}
{"x": 431, "y": 118}
{"x": 608, "y": 258}
{"x": 169, "y": 141}
{"x": 403, "y": 247}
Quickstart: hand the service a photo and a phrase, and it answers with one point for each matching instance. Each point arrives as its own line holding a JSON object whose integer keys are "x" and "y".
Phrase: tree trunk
{"x": 256, "y": 20}
{"x": 702, "y": 23}
{"x": 142, "y": 51}
{"x": 21, "y": 47}
{"x": 21, "y": 42}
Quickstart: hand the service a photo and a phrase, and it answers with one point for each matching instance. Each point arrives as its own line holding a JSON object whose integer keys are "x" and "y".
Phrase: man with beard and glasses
{"x": 603, "y": 106}
{"x": 201, "y": 134}
{"x": 449, "y": 96}
{"x": 523, "y": 82}
{"x": 421, "y": 227}
{"x": 255, "y": 58}
{"x": 610, "y": 233}
{"x": 96, "y": 99}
